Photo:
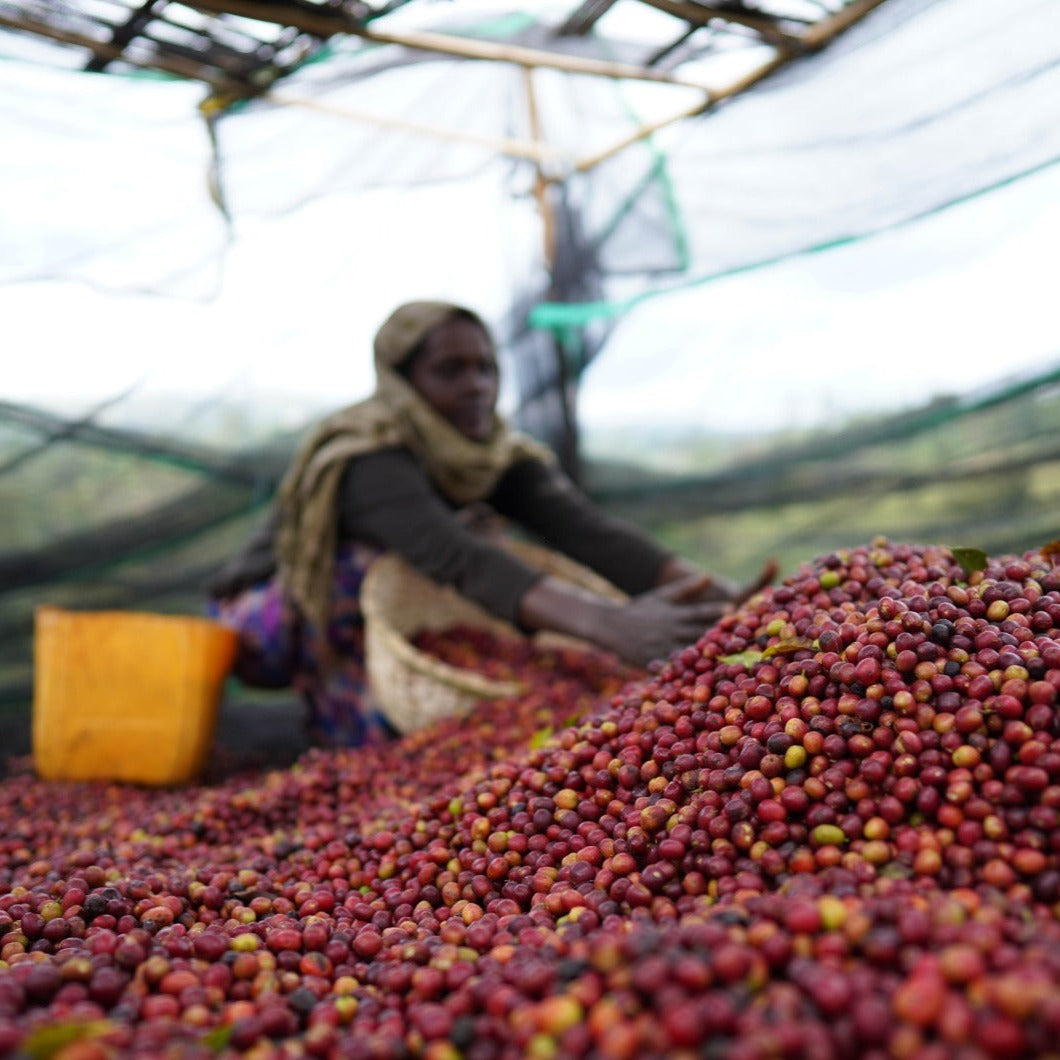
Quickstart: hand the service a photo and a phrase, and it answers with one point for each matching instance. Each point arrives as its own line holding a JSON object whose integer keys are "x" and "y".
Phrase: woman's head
{"x": 445, "y": 352}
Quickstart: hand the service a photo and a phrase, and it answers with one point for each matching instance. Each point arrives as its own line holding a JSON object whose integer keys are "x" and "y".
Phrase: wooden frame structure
{"x": 241, "y": 48}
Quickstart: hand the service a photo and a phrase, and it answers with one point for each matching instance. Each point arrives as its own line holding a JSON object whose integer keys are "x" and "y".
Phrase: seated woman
{"x": 399, "y": 471}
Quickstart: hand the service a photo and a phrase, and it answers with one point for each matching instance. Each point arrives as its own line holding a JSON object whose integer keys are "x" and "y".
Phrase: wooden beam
{"x": 169, "y": 65}
{"x": 324, "y": 22}
{"x": 700, "y": 15}
{"x": 123, "y": 34}
{"x": 531, "y": 150}
{"x": 469, "y": 48}
{"x": 668, "y": 49}
{"x": 581, "y": 21}
{"x": 334, "y": 22}
{"x": 819, "y": 34}
{"x": 203, "y": 49}
{"x": 816, "y": 37}
{"x": 780, "y": 57}
{"x": 541, "y": 182}
{"x": 583, "y": 165}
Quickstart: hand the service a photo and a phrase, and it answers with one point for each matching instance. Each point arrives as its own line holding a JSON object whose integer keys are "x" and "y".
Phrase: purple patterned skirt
{"x": 278, "y": 648}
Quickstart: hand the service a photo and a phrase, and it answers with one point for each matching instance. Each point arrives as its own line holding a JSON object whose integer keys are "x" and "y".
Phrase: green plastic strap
{"x": 658, "y": 174}
{"x": 561, "y": 317}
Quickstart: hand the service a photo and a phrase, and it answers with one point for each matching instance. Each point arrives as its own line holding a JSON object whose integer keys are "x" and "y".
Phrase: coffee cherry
{"x": 831, "y": 826}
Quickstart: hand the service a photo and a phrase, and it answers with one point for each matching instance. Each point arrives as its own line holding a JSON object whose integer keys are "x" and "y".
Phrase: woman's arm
{"x": 387, "y": 500}
{"x": 546, "y": 502}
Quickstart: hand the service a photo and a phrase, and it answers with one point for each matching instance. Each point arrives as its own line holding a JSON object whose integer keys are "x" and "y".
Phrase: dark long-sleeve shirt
{"x": 387, "y": 499}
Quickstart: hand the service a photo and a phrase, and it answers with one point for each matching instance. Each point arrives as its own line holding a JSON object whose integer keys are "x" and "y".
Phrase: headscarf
{"x": 395, "y": 415}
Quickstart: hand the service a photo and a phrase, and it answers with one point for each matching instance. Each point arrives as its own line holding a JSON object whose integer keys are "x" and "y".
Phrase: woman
{"x": 400, "y": 471}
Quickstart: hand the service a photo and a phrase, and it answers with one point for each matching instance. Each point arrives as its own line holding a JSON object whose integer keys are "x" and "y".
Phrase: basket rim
{"x": 388, "y": 592}
{"x": 459, "y": 677}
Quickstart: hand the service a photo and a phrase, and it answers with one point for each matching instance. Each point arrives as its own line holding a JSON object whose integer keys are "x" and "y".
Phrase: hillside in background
{"x": 101, "y": 518}
{"x": 982, "y": 471}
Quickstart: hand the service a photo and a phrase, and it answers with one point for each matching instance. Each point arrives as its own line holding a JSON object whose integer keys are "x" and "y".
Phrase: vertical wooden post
{"x": 544, "y": 192}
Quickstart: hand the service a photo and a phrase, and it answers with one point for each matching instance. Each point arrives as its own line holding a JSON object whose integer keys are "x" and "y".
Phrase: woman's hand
{"x": 715, "y": 586}
{"x": 657, "y": 623}
{"x": 651, "y": 626}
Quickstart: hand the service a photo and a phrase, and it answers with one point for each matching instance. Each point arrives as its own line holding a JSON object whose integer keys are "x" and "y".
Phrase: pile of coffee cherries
{"x": 829, "y": 828}
{"x": 541, "y": 662}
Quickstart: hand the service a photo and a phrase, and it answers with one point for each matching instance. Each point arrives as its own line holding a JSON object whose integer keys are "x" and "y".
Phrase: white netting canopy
{"x": 120, "y": 268}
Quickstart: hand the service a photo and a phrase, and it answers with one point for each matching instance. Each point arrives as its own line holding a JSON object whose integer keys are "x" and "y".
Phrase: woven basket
{"x": 414, "y": 689}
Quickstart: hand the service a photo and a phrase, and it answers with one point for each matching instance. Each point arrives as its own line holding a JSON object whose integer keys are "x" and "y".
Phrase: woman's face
{"x": 456, "y": 374}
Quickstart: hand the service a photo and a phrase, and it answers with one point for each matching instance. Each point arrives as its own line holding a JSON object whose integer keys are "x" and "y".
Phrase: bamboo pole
{"x": 583, "y": 165}
{"x": 534, "y": 151}
{"x": 529, "y": 57}
{"x": 815, "y": 37}
{"x": 329, "y": 22}
{"x": 544, "y": 195}
{"x": 541, "y": 182}
{"x": 334, "y": 22}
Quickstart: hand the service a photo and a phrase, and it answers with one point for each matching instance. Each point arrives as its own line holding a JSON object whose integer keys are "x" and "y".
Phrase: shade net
{"x": 694, "y": 318}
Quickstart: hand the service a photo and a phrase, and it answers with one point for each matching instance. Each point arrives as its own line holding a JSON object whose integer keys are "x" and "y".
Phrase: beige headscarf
{"x": 462, "y": 469}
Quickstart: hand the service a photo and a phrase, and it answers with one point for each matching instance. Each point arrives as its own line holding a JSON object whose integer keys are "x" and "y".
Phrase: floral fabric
{"x": 280, "y": 649}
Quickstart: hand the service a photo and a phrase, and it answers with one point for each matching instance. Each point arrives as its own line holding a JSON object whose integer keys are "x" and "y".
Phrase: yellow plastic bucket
{"x": 126, "y": 696}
